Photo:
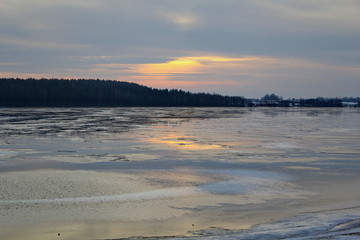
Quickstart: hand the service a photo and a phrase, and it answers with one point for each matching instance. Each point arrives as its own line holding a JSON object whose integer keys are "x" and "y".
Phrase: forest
{"x": 15, "y": 92}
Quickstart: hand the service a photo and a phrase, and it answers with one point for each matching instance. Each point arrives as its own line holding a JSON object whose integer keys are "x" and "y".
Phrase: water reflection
{"x": 183, "y": 143}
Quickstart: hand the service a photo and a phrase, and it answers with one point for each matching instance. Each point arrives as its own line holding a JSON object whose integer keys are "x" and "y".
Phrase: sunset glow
{"x": 187, "y": 65}
{"x": 188, "y": 71}
{"x": 178, "y": 66}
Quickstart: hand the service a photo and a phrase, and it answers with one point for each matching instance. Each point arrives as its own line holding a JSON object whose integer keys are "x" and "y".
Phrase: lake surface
{"x": 107, "y": 173}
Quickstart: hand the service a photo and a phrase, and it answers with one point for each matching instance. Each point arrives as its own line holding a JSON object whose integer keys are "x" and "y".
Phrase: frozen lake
{"x": 226, "y": 173}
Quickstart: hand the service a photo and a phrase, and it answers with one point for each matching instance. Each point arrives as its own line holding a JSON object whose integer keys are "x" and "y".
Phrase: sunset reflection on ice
{"x": 183, "y": 143}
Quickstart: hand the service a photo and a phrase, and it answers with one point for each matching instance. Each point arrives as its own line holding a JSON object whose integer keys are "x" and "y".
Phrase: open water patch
{"x": 247, "y": 181}
{"x": 7, "y": 154}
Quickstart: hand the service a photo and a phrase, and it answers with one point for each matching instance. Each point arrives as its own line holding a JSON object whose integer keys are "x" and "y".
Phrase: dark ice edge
{"x": 336, "y": 224}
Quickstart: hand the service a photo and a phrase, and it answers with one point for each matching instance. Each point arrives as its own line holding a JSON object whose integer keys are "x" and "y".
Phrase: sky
{"x": 293, "y": 48}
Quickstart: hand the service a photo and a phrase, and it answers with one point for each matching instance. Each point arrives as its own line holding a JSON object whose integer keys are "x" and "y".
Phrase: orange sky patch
{"x": 188, "y": 65}
{"x": 178, "y": 66}
{"x": 187, "y": 71}
{"x": 192, "y": 72}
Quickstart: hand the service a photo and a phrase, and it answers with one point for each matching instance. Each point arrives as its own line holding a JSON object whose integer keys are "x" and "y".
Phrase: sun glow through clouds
{"x": 177, "y": 66}
{"x": 193, "y": 71}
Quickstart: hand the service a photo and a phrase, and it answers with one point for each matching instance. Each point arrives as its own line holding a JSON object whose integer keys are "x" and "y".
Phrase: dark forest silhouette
{"x": 15, "y": 92}
{"x": 101, "y": 93}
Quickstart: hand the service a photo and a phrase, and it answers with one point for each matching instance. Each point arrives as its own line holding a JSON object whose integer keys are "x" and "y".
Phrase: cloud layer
{"x": 302, "y": 48}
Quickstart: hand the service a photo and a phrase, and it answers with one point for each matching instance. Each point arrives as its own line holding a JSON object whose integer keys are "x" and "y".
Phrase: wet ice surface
{"x": 342, "y": 224}
{"x": 168, "y": 171}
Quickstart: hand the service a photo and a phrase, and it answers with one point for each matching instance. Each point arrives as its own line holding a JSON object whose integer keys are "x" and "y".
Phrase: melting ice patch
{"x": 229, "y": 187}
{"x": 148, "y": 195}
{"x": 281, "y": 145}
{"x": 242, "y": 186}
{"x": 7, "y": 153}
{"x": 240, "y": 182}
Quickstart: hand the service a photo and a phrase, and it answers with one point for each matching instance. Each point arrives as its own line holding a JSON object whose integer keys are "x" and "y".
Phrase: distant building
{"x": 350, "y": 104}
{"x": 294, "y": 103}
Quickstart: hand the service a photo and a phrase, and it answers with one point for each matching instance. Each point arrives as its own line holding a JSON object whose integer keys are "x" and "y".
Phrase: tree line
{"x": 15, "y": 92}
